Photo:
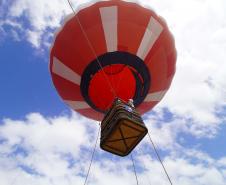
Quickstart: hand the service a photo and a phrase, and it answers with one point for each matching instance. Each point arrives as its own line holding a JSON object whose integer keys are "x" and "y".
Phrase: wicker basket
{"x": 121, "y": 129}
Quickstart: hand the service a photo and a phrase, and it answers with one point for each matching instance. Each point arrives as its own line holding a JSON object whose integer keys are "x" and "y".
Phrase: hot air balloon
{"x": 109, "y": 52}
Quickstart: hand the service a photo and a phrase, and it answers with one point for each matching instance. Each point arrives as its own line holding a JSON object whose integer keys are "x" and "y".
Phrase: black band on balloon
{"x": 140, "y": 72}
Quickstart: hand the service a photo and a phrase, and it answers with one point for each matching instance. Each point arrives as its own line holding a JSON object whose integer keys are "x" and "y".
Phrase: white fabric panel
{"x": 76, "y": 105}
{"x": 151, "y": 34}
{"x": 156, "y": 96}
{"x": 65, "y": 72}
{"x": 109, "y": 17}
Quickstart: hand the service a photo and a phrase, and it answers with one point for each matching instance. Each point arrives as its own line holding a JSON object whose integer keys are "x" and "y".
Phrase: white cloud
{"x": 57, "y": 150}
{"x": 46, "y": 135}
{"x": 34, "y": 37}
{"x": 198, "y": 89}
{"x": 43, "y": 146}
{"x": 41, "y": 16}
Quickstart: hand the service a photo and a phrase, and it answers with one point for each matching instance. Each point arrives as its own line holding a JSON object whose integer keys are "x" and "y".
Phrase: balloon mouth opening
{"x": 115, "y": 75}
{"x": 113, "y": 81}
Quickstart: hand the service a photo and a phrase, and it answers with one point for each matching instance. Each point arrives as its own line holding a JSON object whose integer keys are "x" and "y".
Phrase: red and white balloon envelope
{"x": 112, "y": 49}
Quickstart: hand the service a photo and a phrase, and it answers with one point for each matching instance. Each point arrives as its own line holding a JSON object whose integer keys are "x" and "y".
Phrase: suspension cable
{"x": 92, "y": 49}
{"x": 159, "y": 158}
{"x": 134, "y": 169}
{"x": 91, "y": 161}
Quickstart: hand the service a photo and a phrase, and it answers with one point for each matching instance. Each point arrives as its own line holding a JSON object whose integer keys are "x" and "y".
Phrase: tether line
{"x": 134, "y": 169}
{"x": 92, "y": 49}
{"x": 159, "y": 158}
{"x": 91, "y": 161}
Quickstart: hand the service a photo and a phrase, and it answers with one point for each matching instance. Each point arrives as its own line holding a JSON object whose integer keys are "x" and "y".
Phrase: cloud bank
{"x": 53, "y": 150}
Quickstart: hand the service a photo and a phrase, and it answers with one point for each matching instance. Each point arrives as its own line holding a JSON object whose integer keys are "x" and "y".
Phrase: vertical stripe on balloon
{"x": 151, "y": 34}
{"x": 109, "y": 17}
{"x": 156, "y": 96}
{"x": 77, "y": 105}
{"x": 65, "y": 72}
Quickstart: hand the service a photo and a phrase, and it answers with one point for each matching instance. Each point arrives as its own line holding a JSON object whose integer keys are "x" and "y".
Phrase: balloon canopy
{"x": 112, "y": 49}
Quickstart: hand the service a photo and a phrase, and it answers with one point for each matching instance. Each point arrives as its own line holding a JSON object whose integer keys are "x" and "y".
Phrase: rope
{"x": 92, "y": 49}
{"x": 134, "y": 169}
{"x": 91, "y": 161}
{"x": 157, "y": 154}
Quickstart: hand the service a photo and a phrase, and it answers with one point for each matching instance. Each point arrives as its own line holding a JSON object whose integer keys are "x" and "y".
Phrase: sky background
{"x": 43, "y": 142}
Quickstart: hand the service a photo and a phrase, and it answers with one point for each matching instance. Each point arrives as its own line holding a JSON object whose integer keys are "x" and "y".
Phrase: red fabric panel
{"x": 132, "y": 24}
{"x": 71, "y": 46}
{"x": 161, "y": 60}
{"x": 90, "y": 113}
{"x": 62, "y": 87}
{"x": 122, "y": 81}
{"x": 145, "y": 106}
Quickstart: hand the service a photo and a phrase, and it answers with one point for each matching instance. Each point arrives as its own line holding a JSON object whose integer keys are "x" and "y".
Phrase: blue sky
{"x": 27, "y": 84}
{"x": 38, "y": 133}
